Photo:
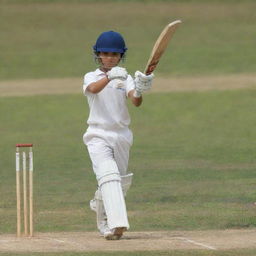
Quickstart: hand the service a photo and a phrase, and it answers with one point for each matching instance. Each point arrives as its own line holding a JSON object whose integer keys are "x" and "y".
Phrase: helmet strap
{"x": 98, "y": 61}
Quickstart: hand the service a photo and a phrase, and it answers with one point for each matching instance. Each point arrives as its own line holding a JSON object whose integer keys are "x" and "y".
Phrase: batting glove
{"x": 142, "y": 83}
{"x": 117, "y": 73}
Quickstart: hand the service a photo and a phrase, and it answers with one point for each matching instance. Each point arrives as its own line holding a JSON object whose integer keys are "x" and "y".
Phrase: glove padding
{"x": 117, "y": 73}
{"x": 142, "y": 83}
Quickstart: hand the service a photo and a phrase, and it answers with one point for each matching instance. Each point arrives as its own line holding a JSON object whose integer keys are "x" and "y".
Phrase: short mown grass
{"x": 55, "y": 38}
{"x": 193, "y": 158}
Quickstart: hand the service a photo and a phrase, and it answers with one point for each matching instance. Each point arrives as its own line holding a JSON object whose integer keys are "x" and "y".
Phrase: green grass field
{"x": 54, "y": 38}
{"x": 194, "y": 152}
{"x": 194, "y": 164}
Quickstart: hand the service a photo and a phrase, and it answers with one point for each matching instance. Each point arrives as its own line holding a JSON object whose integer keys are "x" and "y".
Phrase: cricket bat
{"x": 160, "y": 46}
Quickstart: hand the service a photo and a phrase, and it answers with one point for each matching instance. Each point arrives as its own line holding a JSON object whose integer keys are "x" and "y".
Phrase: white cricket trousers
{"x": 104, "y": 145}
{"x": 110, "y": 147}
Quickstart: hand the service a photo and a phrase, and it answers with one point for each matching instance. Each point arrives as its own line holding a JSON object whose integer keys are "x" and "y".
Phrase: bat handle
{"x": 150, "y": 68}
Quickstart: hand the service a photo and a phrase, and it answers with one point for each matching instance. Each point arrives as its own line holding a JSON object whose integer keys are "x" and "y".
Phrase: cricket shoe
{"x": 115, "y": 233}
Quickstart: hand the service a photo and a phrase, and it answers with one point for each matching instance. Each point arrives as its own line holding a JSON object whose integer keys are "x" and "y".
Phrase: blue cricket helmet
{"x": 110, "y": 41}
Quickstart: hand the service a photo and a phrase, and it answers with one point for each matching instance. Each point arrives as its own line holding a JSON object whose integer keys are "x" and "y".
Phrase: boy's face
{"x": 109, "y": 59}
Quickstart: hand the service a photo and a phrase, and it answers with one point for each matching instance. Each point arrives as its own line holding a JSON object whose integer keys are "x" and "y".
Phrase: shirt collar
{"x": 98, "y": 72}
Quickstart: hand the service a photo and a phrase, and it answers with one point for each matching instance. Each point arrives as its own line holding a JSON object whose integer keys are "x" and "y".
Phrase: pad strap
{"x": 108, "y": 171}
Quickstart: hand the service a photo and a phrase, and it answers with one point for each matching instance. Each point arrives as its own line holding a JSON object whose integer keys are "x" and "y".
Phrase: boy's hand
{"x": 142, "y": 83}
{"x": 117, "y": 73}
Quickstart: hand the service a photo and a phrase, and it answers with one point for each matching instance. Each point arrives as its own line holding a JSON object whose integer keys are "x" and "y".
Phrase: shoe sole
{"x": 116, "y": 235}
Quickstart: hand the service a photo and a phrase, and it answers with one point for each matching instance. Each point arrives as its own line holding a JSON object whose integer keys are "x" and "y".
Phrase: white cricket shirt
{"x": 108, "y": 108}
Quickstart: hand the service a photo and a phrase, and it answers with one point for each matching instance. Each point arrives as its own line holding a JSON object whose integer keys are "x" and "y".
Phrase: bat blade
{"x": 160, "y": 46}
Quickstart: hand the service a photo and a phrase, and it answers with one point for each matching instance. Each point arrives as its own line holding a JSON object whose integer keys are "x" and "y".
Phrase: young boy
{"x": 108, "y": 137}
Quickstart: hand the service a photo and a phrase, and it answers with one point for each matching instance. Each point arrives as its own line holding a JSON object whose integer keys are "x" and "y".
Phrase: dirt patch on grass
{"x": 161, "y": 84}
{"x": 131, "y": 241}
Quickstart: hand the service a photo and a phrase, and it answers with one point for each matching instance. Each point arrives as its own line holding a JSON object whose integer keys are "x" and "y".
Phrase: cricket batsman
{"x": 108, "y": 137}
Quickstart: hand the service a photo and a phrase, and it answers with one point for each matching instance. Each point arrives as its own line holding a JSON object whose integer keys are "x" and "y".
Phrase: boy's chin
{"x": 107, "y": 68}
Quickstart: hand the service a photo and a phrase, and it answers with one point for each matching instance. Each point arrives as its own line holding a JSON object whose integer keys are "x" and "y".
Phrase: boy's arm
{"x": 136, "y": 101}
{"x": 114, "y": 73}
{"x": 97, "y": 86}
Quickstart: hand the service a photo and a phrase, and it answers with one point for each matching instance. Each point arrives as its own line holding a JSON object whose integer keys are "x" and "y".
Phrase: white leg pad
{"x": 109, "y": 182}
{"x": 107, "y": 171}
{"x": 126, "y": 182}
{"x": 97, "y": 196}
{"x": 114, "y": 204}
{"x": 99, "y": 209}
